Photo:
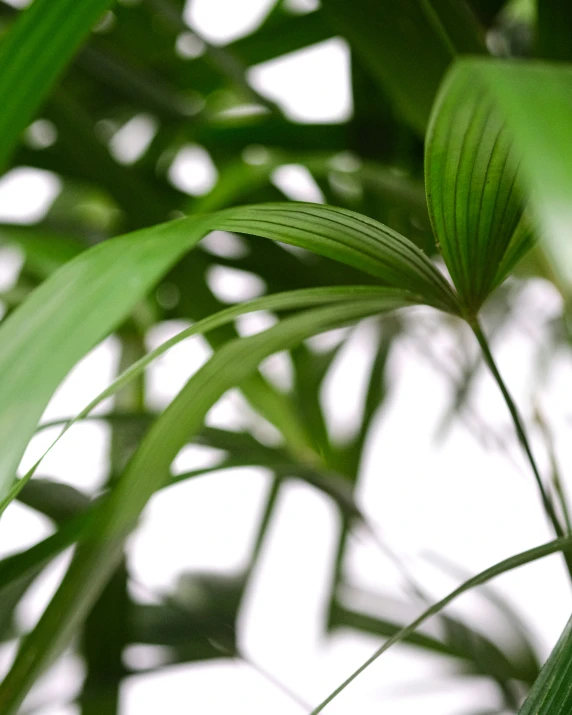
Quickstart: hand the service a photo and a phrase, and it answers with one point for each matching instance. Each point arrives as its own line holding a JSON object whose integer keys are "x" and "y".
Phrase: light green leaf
{"x": 32, "y": 57}
{"x": 66, "y": 317}
{"x": 87, "y": 298}
{"x": 289, "y": 300}
{"x": 101, "y": 550}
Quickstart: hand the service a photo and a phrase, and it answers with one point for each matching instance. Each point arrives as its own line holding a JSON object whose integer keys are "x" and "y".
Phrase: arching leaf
{"x": 348, "y": 237}
{"x": 89, "y": 296}
{"x": 97, "y": 557}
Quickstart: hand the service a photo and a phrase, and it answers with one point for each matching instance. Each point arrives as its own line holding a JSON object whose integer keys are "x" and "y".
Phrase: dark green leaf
{"x": 474, "y": 200}
{"x": 350, "y": 238}
{"x": 32, "y": 57}
{"x": 551, "y": 693}
{"x": 403, "y": 44}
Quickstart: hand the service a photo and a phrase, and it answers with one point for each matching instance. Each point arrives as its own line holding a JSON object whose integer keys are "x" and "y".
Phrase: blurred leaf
{"x": 58, "y": 501}
{"x": 279, "y": 37}
{"x": 34, "y": 54}
{"x": 461, "y": 25}
{"x": 384, "y": 35}
{"x": 98, "y": 555}
{"x": 554, "y": 29}
{"x": 45, "y": 252}
{"x": 487, "y": 10}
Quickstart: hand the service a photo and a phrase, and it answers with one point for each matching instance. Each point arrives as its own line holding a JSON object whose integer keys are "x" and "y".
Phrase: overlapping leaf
{"x": 528, "y": 107}
{"x": 99, "y": 553}
{"x": 471, "y": 173}
{"x": 535, "y": 101}
{"x": 67, "y": 315}
{"x": 89, "y": 296}
{"x": 350, "y": 238}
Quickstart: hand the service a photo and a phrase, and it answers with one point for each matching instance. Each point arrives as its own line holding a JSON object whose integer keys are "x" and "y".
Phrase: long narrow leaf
{"x": 513, "y": 562}
{"x": 82, "y": 302}
{"x": 551, "y": 693}
{"x": 348, "y": 237}
{"x": 99, "y": 554}
{"x": 67, "y": 315}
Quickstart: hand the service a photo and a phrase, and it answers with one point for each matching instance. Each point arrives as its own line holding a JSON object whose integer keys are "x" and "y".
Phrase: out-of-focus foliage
{"x": 111, "y": 120}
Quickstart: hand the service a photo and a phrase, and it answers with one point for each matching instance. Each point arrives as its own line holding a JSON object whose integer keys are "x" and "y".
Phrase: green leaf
{"x": 461, "y": 25}
{"x": 350, "y": 238}
{"x": 383, "y": 34}
{"x": 290, "y": 33}
{"x": 32, "y": 57}
{"x": 98, "y": 555}
{"x": 83, "y": 301}
{"x": 543, "y": 138}
{"x": 45, "y": 251}
{"x": 551, "y": 693}
{"x": 471, "y": 168}
{"x": 280, "y": 301}
{"x": 68, "y": 315}
{"x": 526, "y": 557}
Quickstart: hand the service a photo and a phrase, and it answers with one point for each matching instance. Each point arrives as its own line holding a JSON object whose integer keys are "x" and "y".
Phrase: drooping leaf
{"x": 280, "y": 301}
{"x": 350, "y": 238}
{"x": 77, "y": 306}
{"x": 98, "y": 555}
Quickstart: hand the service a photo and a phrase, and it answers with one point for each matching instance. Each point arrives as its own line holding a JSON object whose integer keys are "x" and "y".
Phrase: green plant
{"x": 497, "y": 176}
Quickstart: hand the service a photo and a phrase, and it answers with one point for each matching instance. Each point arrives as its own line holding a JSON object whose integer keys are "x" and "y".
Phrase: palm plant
{"x": 442, "y": 156}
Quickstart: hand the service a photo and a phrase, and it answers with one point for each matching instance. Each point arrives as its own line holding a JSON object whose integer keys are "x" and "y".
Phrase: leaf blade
{"x": 96, "y": 558}
{"x": 348, "y": 237}
{"x": 471, "y": 173}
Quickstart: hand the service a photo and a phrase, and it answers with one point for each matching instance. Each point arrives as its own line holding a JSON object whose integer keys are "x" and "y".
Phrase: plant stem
{"x": 521, "y": 434}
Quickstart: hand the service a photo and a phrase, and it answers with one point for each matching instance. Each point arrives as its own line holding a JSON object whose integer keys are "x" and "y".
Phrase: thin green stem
{"x": 557, "y": 482}
{"x": 513, "y": 562}
{"x": 522, "y": 436}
